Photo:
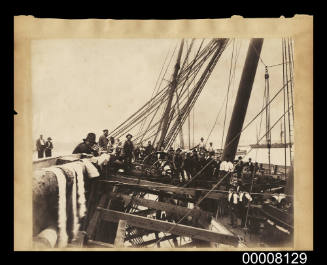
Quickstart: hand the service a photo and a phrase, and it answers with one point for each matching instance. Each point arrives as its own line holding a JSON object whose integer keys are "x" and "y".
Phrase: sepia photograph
{"x": 163, "y": 143}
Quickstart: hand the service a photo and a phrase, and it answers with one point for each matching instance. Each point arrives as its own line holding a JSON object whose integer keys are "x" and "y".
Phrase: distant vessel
{"x": 239, "y": 152}
{"x": 274, "y": 145}
{"x": 281, "y": 144}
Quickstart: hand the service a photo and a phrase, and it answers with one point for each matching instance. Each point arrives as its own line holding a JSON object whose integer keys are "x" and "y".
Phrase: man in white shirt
{"x": 223, "y": 170}
{"x": 226, "y": 166}
{"x": 202, "y": 145}
{"x": 223, "y": 166}
{"x": 229, "y": 166}
{"x": 233, "y": 199}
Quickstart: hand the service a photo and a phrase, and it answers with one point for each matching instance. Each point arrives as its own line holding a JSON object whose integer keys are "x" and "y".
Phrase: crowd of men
{"x": 201, "y": 161}
{"x": 44, "y": 147}
{"x": 123, "y": 153}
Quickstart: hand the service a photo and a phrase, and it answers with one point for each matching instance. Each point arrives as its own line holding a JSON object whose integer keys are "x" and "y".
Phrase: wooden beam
{"x": 90, "y": 203}
{"x": 120, "y": 235}
{"x": 164, "y": 193}
{"x": 197, "y": 214}
{"x": 277, "y": 215}
{"x": 149, "y": 185}
{"x": 102, "y": 233}
{"x": 166, "y": 227}
{"x": 95, "y": 218}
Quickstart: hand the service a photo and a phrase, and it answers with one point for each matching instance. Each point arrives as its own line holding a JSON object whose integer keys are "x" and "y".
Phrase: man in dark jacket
{"x": 250, "y": 165}
{"x": 103, "y": 140}
{"x": 178, "y": 164}
{"x": 128, "y": 151}
{"x": 202, "y": 163}
{"x": 88, "y": 146}
{"x": 170, "y": 155}
{"x": 239, "y": 167}
{"x": 195, "y": 163}
{"x": 211, "y": 166}
{"x": 111, "y": 145}
{"x": 188, "y": 165}
{"x": 40, "y": 146}
{"x": 149, "y": 148}
{"x": 48, "y": 147}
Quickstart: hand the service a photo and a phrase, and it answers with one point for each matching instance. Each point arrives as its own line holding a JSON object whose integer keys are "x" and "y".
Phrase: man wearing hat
{"x": 48, "y": 147}
{"x": 128, "y": 151}
{"x": 239, "y": 167}
{"x": 103, "y": 140}
{"x": 87, "y": 146}
{"x": 250, "y": 165}
{"x": 210, "y": 149}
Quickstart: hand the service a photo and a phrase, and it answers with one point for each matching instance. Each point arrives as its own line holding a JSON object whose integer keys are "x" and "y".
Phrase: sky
{"x": 87, "y": 85}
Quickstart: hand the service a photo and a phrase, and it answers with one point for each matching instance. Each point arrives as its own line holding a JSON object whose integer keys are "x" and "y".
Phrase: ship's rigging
{"x": 177, "y": 97}
{"x": 161, "y": 120}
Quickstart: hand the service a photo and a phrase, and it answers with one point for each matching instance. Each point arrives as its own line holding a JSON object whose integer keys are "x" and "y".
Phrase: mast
{"x": 281, "y": 132}
{"x": 189, "y": 123}
{"x": 242, "y": 99}
{"x": 181, "y": 138}
{"x": 170, "y": 97}
{"x": 268, "y": 134}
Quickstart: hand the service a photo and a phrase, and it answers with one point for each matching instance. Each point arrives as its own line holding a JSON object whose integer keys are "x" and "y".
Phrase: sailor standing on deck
{"x": 111, "y": 145}
{"x": 170, "y": 154}
{"x": 48, "y": 147}
{"x": 178, "y": 164}
{"x": 202, "y": 145}
{"x": 188, "y": 165}
{"x": 40, "y": 146}
{"x": 226, "y": 168}
{"x": 195, "y": 163}
{"x": 233, "y": 199}
{"x": 149, "y": 148}
{"x": 118, "y": 147}
{"x": 210, "y": 149}
{"x": 244, "y": 203}
{"x": 103, "y": 141}
{"x": 209, "y": 166}
{"x": 128, "y": 152}
{"x": 239, "y": 167}
{"x": 223, "y": 168}
{"x": 250, "y": 165}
